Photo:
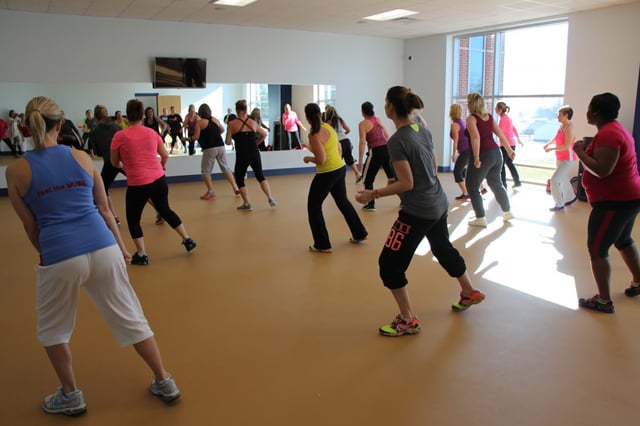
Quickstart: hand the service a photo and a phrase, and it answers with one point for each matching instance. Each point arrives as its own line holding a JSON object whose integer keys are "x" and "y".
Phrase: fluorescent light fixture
{"x": 391, "y": 15}
{"x": 239, "y": 3}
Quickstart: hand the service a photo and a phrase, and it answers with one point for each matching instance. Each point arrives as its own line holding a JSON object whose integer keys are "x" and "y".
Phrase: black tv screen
{"x": 174, "y": 73}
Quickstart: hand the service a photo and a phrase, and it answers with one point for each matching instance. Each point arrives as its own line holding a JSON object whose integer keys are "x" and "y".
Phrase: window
{"x": 324, "y": 94}
{"x": 525, "y": 68}
{"x": 258, "y": 97}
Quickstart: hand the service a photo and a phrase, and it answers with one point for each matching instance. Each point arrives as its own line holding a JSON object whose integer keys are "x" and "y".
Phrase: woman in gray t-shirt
{"x": 423, "y": 214}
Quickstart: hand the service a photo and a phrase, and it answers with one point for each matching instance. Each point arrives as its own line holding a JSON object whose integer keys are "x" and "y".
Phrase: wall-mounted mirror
{"x": 75, "y": 98}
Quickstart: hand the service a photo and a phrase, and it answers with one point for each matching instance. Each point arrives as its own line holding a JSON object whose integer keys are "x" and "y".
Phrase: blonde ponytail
{"x": 42, "y": 114}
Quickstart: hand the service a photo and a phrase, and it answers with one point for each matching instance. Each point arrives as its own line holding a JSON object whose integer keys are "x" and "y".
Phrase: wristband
{"x": 376, "y": 193}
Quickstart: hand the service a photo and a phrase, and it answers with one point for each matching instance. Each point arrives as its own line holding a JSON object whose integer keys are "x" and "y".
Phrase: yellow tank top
{"x": 334, "y": 160}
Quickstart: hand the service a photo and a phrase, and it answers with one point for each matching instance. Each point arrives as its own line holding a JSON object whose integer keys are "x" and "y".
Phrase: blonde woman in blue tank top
{"x": 329, "y": 179}
{"x": 58, "y": 194}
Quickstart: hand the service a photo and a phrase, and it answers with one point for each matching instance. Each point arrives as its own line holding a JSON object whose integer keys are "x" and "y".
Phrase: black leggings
{"x": 379, "y": 158}
{"x": 10, "y": 145}
{"x": 109, "y": 174}
{"x": 247, "y": 154}
{"x": 294, "y": 140}
{"x": 136, "y": 198}
{"x": 460, "y": 168}
{"x": 175, "y": 136}
{"x": 322, "y": 185}
{"x": 406, "y": 234}
{"x": 508, "y": 163}
{"x": 347, "y": 154}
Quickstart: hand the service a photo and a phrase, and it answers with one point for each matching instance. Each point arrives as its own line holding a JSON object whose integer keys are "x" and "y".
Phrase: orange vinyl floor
{"x": 259, "y": 331}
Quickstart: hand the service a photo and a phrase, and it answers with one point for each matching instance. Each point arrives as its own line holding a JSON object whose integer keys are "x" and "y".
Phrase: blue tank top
{"x": 61, "y": 198}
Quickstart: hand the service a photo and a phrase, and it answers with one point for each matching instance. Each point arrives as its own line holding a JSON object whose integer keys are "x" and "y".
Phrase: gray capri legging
{"x": 209, "y": 158}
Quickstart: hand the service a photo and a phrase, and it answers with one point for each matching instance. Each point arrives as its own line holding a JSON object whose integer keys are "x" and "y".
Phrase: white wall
{"x": 602, "y": 55}
{"x": 72, "y": 50}
{"x": 426, "y": 74}
{"x": 91, "y": 53}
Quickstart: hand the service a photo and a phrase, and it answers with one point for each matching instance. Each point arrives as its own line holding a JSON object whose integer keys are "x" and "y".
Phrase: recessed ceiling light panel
{"x": 391, "y": 15}
{"x": 239, "y": 3}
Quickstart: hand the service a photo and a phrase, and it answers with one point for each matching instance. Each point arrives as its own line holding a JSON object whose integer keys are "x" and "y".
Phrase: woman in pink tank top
{"x": 561, "y": 188}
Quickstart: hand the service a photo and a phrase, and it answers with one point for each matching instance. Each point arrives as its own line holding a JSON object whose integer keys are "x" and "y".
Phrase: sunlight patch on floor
{"x": 520, "y": 255}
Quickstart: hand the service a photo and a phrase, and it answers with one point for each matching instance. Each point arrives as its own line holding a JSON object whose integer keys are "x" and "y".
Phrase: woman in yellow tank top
{"x": 329, "y": 179}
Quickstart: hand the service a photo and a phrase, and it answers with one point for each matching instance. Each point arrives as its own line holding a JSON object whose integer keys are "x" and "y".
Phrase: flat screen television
{"x": 171, "y": 73}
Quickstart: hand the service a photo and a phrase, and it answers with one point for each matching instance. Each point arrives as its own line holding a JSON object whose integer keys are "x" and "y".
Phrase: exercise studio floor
{"x": 259, "y": 331}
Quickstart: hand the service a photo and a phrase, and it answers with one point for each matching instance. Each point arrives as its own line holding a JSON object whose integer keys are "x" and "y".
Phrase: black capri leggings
{"x": 403, "y": 240}
{"x": 610, "y": 224}
{"x": 108, "y": 174}
{"x": 137, "y": 197}
{"x": 247, "y": 154}
{"x": 460, "y": 168}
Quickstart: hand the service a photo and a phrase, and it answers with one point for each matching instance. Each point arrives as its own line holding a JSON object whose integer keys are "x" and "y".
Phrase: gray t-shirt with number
{"x": 427, "y": 199}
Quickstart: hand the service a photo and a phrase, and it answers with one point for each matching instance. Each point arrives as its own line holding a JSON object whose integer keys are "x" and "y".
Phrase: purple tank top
{"x": 463, "y": 139}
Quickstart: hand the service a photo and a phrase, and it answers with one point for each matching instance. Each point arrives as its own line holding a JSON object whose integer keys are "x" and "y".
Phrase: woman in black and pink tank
{"x": 373, "y": 133}
{"x": 247, "y": 135}
{"x": 486, "y": 159}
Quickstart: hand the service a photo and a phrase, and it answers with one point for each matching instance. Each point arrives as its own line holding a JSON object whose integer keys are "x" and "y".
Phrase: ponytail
{"x": 42, "y": 114}
{"x": 404, "y": 101}
{"x": 314, "y": 117}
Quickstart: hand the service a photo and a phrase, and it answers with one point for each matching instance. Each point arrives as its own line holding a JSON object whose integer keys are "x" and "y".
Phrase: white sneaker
{"x": 165, "y": 389}
{"x": 507, "y": 216}
{"x": 478, "y": 221}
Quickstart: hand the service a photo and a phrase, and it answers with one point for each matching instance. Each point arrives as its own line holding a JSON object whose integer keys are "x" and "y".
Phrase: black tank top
{"x": 210, "y": 137}
{"x": 245, "y": 141}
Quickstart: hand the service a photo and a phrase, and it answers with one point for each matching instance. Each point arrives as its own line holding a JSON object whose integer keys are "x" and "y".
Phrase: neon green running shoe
{"x": 467, "y": 301}
{"x": 400, "y": 327}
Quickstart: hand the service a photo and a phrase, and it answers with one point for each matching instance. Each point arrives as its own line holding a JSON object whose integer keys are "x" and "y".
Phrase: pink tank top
{"x": 565, "y": 154}
{"x": 375, "y": 137}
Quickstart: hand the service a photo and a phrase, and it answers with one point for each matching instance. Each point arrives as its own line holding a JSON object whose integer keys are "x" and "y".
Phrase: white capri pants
{"x": 561, "y": 188}
{"x": 103, "y": 275}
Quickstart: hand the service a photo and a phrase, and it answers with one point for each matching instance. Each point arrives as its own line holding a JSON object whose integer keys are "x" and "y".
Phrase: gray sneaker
{"x": 272, "y": 202}
{"x": 245, "y": 207}
{"x": 71, "y": 404}
{"x": 165, "y": 389}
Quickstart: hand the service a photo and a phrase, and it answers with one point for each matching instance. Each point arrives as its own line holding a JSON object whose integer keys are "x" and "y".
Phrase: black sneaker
{"x": 594, "y": 303}
{"x": 136, "y": 259}
{"x": 370, "y": 207}
{"x": 632, "y": 290}
{"x": 189, "y": 244}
